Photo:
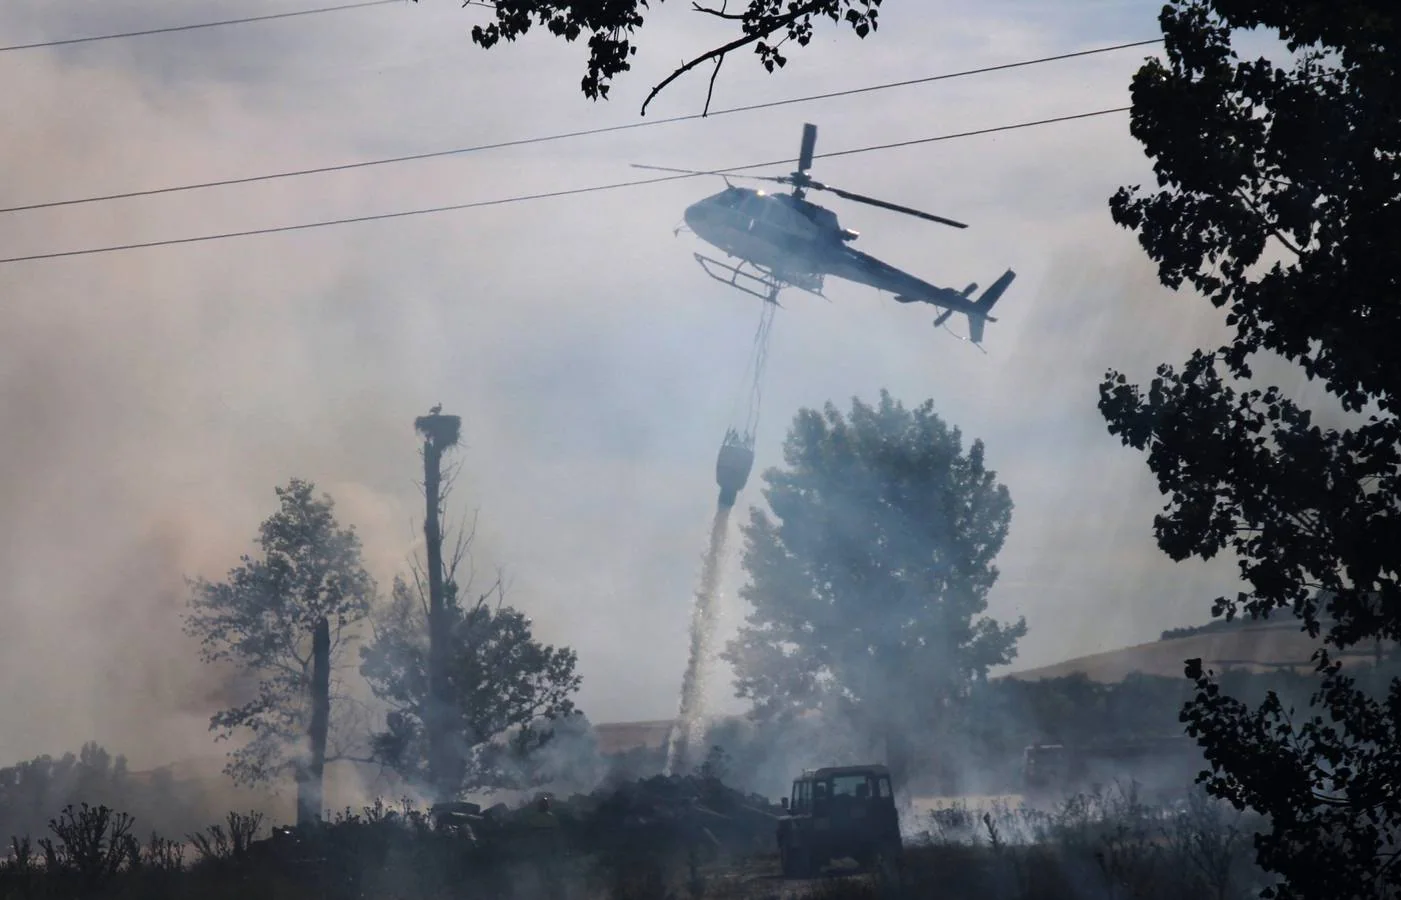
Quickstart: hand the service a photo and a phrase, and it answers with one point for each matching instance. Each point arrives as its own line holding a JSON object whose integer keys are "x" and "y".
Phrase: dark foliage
{"x": 507, "y": 691}
{"x": 619, "y": 838}
{"x": 1279, "y": 199}
{"x": 611, "y": 27}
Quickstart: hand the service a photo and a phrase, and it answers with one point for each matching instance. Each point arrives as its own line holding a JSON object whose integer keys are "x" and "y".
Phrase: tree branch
{"x": 718, "y": 13}
{"x": 345, "y": 757}
{"x": 462, "y": 546}
{"x": 710, "y": 88}
{"x": 719, "y": 53}
{"x": 1254, "y": 207}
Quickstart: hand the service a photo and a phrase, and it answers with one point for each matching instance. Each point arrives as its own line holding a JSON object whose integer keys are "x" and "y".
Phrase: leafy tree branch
{"x": 611, "y": 27}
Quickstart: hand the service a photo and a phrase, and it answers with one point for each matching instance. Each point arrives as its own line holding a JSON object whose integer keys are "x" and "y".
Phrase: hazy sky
{"x": 151, "y": 399}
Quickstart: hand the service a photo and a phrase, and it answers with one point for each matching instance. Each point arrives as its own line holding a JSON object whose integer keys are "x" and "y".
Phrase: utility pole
{"x": 439, "y": 433}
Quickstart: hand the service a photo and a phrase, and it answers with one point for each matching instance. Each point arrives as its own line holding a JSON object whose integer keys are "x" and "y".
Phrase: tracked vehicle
{"x": 840, "y": 812}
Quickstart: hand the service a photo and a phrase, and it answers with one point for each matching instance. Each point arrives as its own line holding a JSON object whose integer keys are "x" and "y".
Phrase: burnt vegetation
{"x": 656, "y": 838}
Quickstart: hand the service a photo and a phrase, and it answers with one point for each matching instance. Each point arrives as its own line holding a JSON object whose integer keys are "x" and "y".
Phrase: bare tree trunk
{"x": 435, "y": 717}
{"x": 311, "y": 776}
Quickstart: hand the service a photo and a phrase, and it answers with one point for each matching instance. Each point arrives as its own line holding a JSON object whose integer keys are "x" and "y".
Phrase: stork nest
{"x": 442, "y": 430}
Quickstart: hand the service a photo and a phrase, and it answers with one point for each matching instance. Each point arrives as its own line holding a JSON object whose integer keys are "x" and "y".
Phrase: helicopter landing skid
{"x": 764, "y": 285}
{"x": 742, "y": 280}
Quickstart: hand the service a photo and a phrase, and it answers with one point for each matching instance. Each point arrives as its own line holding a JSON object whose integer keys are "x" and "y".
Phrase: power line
{"x": 174, "y": 28}
{"x": 375, "y": 217}
{"x": 572, "y": 134}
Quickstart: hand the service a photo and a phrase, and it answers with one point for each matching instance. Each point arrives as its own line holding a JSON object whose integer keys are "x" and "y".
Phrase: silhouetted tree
{"x": 504, "y": 689}
{"x": 1279, "y": 199}
{"x": 765, "y": 25}
{"x": 33, "y": 791}
{"x": 869, "y": 582}
{"x": 440, "y": 433}
{"x": 286, "y": 617}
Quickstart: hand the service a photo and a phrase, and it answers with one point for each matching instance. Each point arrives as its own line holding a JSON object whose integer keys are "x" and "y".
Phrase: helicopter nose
{"x": 700, "y": 218}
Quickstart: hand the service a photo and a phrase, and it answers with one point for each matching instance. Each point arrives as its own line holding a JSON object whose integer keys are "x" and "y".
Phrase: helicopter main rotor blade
{"x": 893, "y": 207}
{"x": 809, "y": 142}
{"x": 699, "y": 172}
{"x": 671, "y": 169}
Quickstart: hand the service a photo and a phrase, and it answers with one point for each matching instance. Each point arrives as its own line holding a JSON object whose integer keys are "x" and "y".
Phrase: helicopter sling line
{"x": 760, "y": 361}
{"x": 732, "y": 467}
{"x": 568, "y": 135}
{"x": 736, "y": 457}
{"x": 520, "y": 198}
{"x": 755, "y": 370}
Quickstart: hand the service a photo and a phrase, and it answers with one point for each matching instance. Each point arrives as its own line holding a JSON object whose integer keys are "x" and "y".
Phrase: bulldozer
{"x": 840, "y": 812}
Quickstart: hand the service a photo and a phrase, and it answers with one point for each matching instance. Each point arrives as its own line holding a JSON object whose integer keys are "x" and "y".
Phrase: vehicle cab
{"x": 839, "y": 812}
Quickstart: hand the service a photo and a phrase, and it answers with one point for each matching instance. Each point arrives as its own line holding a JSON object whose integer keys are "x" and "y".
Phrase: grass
{"x": 1107, "y": 845}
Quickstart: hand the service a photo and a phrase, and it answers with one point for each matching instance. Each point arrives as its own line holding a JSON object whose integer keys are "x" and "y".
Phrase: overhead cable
{"x": 174, "y": 28}
{"x": 520, "y": 198}
{"x": 566, "y": 135}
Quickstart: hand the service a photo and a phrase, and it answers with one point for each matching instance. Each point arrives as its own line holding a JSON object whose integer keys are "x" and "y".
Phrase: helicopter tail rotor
{"x": 809, "y": 143}
{"x": 805, "y": 153}
{"x": 979, "y": 316}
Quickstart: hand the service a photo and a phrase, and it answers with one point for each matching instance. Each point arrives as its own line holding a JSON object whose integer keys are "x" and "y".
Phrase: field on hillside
{"x": 1255, "y": 648}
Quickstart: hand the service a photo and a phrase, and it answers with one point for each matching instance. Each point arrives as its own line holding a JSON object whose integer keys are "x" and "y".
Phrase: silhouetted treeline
{"x": 35, "y": 791}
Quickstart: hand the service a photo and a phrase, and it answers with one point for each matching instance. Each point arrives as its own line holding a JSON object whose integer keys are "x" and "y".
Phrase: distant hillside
{"x": 1246, "y": 645}
{"x": 1218, "y": 625}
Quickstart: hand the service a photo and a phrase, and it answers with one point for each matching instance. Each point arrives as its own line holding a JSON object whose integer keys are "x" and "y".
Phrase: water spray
{"x": 732, "y": 467}
{"x": 689, "y": 730}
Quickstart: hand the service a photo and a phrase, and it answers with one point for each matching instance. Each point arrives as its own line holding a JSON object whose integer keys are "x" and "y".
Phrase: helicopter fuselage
{"x": 799, "y": 242}
{"x": 792, "y": 241}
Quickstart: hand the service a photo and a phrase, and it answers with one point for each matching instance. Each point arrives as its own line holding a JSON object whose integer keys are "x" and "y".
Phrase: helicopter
{"x": 784, "y": 240}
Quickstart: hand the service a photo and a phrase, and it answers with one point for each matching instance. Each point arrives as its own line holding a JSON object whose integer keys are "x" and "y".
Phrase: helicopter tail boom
{"x": 978, "y": 316}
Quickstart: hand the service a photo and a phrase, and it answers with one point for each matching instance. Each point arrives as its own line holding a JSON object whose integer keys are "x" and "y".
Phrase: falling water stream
{"x": 689, "y": 729}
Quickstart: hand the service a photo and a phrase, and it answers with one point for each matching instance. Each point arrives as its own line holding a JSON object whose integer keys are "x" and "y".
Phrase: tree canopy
{"x": 611, "y": 27}
{"x": 285, "y": 617}
{"x": 505, "y": 690}
{"x": 1279, "y": 200}
{"x": 869, "y": 581}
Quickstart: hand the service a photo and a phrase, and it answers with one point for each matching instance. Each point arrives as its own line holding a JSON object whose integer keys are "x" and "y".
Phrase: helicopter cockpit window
{"x": 732, "y": 198}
